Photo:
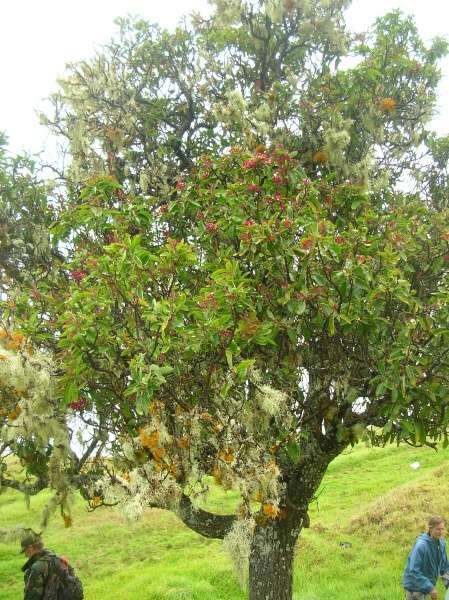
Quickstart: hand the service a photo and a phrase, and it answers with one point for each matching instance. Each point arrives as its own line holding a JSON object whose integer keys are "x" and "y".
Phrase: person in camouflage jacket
{"x": 36, "y": 569}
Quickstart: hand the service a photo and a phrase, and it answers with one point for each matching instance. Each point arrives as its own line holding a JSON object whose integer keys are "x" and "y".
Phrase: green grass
{"x": 370, "y": 498}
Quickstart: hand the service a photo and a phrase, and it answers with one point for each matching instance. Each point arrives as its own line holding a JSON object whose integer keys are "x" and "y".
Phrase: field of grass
{"x": 370, "y": 498}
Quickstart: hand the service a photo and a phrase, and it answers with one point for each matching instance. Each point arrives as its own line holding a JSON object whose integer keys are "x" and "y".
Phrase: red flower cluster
{"x": 253, "y": 187}
{"x": 79, "y": 404}
{"x": 78, "y": 275}
{"x": 307, "y": 244}
{"x": 249, "y": 223}
{"x": 250, "y": 163}
{"x": 180, "y": 185}
{"x": 210, "y": 301}
{"x": 281, "y": 156}
{"x": 261, "y": 158}
{"x": 211, "y": 227}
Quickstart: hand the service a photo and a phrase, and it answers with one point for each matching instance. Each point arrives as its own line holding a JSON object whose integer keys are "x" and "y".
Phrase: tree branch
{"x": 205, "y": 523}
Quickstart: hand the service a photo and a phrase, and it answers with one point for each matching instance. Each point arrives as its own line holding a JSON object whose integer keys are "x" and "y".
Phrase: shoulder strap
{"x": 52, "y": 582}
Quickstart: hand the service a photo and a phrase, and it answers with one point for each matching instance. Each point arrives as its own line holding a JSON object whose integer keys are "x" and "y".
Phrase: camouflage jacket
{"x": 36, "y": 571}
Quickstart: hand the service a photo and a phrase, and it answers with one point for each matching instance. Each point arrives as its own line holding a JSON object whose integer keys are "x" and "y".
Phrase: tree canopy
{"x": 249, "y": 269}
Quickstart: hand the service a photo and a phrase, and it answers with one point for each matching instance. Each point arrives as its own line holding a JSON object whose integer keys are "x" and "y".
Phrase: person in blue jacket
{"x": 426, "y": 561}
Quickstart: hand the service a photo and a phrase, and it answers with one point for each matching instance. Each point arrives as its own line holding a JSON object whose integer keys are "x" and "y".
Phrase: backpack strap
{"x": 52, "y": 583}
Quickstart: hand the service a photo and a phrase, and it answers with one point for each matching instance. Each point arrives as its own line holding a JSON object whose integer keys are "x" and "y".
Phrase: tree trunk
{"x": 271, "y": 561}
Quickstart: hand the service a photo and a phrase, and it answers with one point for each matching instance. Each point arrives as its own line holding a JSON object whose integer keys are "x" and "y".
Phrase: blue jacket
{"x": 425, "y": 562}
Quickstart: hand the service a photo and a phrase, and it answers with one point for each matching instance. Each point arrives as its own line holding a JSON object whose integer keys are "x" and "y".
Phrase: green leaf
{"x": 241, "y": 370}
{"x": 293, "y": 452}
{"x": 380, "y": 389}
{"x": 71, "y": 393}
{"x": 300, "y": 307}
{"x": 420, "y": 433}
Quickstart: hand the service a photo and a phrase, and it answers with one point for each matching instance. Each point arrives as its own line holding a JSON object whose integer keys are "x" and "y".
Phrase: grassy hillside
{"x": 371, "y": 499}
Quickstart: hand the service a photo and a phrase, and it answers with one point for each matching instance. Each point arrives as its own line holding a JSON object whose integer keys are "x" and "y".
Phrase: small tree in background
{"x": 246, "y": 319}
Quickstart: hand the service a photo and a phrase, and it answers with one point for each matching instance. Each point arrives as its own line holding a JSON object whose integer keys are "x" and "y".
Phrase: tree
{"x": 254, "y": 73}
{"x": 246, "y": 319}
{"x": 25, "y": 215}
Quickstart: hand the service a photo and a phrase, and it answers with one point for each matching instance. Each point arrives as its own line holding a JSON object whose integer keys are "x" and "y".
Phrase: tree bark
{"x": 208, "y": 524}
{"x": 271, "y": 561}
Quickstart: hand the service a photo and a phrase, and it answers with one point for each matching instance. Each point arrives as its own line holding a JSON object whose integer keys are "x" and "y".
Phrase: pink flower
{"x": 253, "y": 187}
{"x": 180, "y": 185}
{"x": 251, "y": 163}
{"x": 306, "y": 181}
{"x": 211, "y": 227}
{"x": 79, "y": 404}
{"x": 78, "y": 275}
{"x": 249, "y": 223}
{"x": 277, "y": 179}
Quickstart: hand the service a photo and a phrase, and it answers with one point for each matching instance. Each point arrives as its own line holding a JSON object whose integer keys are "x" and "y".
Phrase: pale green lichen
{"x": 238, "y": 544}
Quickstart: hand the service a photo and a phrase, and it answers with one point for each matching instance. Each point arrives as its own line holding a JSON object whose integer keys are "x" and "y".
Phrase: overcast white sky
{"x": 38, "y": 37}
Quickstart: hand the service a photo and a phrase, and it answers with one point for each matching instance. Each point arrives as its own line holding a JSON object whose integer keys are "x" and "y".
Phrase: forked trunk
{"x": 271, "y": 561}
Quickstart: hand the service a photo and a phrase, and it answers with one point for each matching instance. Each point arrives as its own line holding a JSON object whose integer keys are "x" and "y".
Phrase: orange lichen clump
{"x": 12, "y": 416}
{"x": 158, "y": 453}
{"x": 387, "y": 105}
{"x": 270, "y": 510}
{"x": 183, "y": 443}
{"x": 15, "y": 340}
{"x": 217, "y": 475}
{"x": 226, "y": 455}
{"x": 68, "y": 521}
{"x": 320, "y": 157}
{"x": 149, "y": 441}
